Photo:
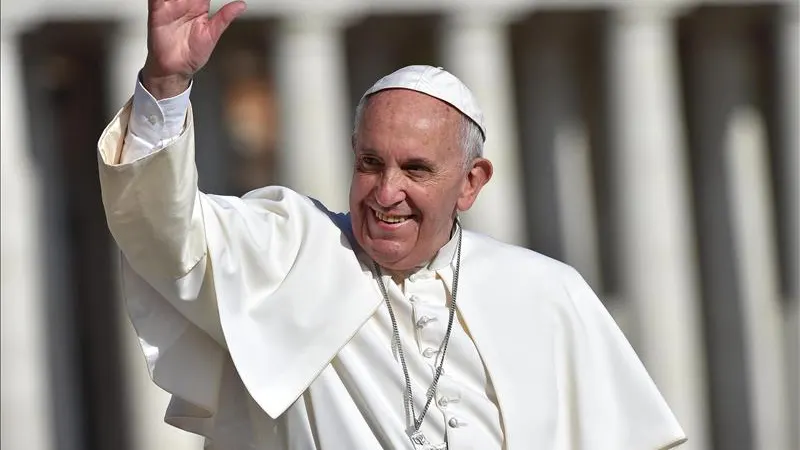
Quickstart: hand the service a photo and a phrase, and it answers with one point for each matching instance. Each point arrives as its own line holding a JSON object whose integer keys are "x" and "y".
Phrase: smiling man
{"x": 418, "y": 161}
{"x": 278, "y": 324}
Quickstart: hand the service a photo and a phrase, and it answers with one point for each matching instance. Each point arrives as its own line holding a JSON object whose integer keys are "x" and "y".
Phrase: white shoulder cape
{"x": 250, "y": 298}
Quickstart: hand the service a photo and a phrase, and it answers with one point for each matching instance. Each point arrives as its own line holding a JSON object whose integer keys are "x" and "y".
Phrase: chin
{"x": 389, "y": 255}
{"x": 386, "y": 257}
{"x": 386, "y": 251}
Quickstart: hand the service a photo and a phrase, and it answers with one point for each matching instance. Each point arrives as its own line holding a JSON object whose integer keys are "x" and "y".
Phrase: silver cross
{"x": 419, "y": 441}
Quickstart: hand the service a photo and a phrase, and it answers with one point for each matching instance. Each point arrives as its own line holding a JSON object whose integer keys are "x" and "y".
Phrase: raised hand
{"x": 180, "y": 38}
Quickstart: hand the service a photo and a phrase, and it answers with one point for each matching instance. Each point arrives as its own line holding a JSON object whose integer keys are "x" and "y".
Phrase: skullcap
{"x": 436, "y": 82}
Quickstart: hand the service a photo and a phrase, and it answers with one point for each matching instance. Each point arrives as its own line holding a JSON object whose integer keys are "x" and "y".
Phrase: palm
{"x": 181, "y": 35}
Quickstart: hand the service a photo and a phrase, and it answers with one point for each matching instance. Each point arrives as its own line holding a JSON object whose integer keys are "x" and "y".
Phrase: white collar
{"x": 442, "y": 260}
{"x": 444, "y": 257}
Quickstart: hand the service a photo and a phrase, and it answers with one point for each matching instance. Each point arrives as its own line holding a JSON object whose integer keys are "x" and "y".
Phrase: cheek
{"x": 359, "y": 188}
{"x": 437, "y": 204}
{"x": 429, "y": 201}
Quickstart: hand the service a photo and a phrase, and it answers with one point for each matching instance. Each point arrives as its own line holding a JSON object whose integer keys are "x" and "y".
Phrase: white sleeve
{"x": 154, "y": 124}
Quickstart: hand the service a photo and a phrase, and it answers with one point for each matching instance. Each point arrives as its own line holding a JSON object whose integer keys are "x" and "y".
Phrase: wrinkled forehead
{"x": 407, "y": 125}
{"x": 398, "y": 101}
{"x": 400, "y": 114}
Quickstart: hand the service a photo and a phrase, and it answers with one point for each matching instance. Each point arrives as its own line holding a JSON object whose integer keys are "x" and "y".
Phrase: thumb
{"x": 223, "y": 18}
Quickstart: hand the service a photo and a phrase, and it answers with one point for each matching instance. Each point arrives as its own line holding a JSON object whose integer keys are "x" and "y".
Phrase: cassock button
{"x": 413, "y": 299}
{"x": 429, "y": 352}
{"x": 443, "y": 402}
{"x": 454, "y": 422}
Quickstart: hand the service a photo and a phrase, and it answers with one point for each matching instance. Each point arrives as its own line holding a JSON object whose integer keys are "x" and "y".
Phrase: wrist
{"x": 164, "y": 86}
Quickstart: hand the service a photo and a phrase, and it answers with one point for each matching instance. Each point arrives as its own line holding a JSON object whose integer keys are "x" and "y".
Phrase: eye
{"x": 368, "y": 163}
{"x": 418, "y": 170}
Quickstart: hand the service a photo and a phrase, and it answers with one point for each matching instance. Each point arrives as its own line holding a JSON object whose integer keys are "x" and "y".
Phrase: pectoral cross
{"x": 421, "y": 442}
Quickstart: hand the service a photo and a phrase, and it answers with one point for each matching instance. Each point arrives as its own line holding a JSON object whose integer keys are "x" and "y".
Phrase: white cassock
{"x": 265, "y": 322}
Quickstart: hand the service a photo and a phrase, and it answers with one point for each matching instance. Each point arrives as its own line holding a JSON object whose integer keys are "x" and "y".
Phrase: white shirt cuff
{"x": 153, "y": 124}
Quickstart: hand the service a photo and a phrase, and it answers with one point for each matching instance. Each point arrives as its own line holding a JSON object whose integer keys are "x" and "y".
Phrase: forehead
{"x": 398, "y": 115}
{"x": 401, "y": 107}
{"x": 397, "y": 98}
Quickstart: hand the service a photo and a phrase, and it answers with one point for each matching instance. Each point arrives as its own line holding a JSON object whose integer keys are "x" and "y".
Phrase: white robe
{"x": 243, "y": 304}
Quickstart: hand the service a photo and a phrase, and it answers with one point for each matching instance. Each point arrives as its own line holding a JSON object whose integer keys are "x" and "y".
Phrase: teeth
{"x": 390, "y": 219}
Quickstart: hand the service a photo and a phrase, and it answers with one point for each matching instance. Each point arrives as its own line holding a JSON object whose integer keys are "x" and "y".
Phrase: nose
{"x": 389, "y": 191}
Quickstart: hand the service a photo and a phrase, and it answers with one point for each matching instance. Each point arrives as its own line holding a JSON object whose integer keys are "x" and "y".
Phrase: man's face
{"x": 409, "y": 178}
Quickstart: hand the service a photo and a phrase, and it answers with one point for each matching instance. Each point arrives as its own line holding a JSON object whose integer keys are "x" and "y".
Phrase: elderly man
{"x": 277, "y": 324}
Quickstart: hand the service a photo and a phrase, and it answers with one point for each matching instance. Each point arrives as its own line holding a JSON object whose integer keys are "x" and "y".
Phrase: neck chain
{"x": 417, "y": 438}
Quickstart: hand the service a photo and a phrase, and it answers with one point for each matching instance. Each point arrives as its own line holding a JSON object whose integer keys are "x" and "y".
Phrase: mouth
{"x": 390, "y": 219}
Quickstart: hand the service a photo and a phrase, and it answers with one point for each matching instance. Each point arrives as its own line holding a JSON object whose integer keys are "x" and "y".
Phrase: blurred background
{"x": 652, "y": 144}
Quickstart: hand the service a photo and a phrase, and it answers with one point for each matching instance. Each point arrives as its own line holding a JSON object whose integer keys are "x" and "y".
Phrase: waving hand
{"x": 181, "y": 34}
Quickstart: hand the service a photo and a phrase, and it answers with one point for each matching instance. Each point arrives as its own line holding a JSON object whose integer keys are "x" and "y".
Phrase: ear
{"x": 479, "y": 174}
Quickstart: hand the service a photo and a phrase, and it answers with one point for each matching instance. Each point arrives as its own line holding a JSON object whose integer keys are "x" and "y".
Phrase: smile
{"x": 390, "y": 219}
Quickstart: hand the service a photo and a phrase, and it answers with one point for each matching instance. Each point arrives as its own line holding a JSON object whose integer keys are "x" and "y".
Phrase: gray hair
{"x": 471, "y": 135}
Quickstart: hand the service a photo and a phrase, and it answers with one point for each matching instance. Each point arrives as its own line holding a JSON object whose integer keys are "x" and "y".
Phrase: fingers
{"x": 223, "y": 18}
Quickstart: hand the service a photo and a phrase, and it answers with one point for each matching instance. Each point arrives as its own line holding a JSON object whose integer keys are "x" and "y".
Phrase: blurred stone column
{"x": 789, "y": 70}
{"x": 126, "y": 57}
{"x": 742, "y": 156}
{"x": 556, "y": 133}
{"x": 736, "y": 217}
{"x": 313, "y": 104}
{"x": 658, "y": 273}
{"x": 27, "y": 421}
{"x": 475, "y": 48}
{"x": 148, "y": 401}
{"x": 745, "y": 162}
